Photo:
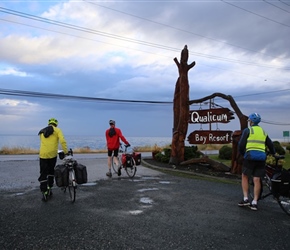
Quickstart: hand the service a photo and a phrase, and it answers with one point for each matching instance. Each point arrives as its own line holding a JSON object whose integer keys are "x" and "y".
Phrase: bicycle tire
{"x": 284, "y": 203}
{"x": 114, "y": 166}
{"x": 72, "y": 186}
{"x": 72, "y": 193}
{"x": 131, "y": 171}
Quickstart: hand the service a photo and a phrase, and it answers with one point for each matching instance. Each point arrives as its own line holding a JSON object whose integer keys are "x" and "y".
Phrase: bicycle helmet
{"x": 53, "y": 121}
{"x": 112, "y": 122}
{"x": 255, "y": 118}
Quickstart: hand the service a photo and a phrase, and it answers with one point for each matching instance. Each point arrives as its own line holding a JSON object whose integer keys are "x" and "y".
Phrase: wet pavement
{"x": 22, "y": 171}
{"x": 153, "y": 210}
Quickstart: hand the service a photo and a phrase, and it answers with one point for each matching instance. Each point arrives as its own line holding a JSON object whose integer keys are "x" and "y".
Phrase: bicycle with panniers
{"x": 277, "y": 181}
{"x": 127, "y": 161}
{"x": 69, "y": 174}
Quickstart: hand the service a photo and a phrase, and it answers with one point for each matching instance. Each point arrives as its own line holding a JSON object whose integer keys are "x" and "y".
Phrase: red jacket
{"x": 113, "y": 142}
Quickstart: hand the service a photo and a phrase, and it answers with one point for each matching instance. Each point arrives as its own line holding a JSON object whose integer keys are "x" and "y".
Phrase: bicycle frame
{"x": 131, "y": 170}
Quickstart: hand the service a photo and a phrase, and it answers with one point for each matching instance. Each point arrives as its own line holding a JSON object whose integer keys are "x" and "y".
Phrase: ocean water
{"x": 92, "y": 142}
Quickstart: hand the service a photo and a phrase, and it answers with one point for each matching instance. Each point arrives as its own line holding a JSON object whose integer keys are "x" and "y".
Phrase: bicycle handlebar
{"x": 278, "y": 157}
{"x": 70, "y": 152}
{"x": 61, "y": 154}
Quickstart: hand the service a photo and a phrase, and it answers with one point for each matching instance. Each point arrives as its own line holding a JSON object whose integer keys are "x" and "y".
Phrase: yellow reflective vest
{"x": 256, "y": 140}
{"x": 49, "y": 145}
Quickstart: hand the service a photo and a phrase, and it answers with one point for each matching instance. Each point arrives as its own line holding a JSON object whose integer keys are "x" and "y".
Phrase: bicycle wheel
{"x": 284, "y": 203}
{"x": 131, "y": 170}
{"x": 114, "y": 166}
{"x": 72, "y": 193}
{"x": 72, "y": 186}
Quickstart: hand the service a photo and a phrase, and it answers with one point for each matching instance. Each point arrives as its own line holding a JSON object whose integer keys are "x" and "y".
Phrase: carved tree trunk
{"x": 237, "y": 158}
{"x": 180, "y": 108}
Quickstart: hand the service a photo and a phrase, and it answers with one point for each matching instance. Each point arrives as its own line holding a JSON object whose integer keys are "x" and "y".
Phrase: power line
{"x": 276, "y": 6}
{"x": 85, "y": 98}
{"x": 275, "y": 123}
{"x": 96, "y": 32}
{"x": 284, "y": 2}
{"x": 71, "y": 97}
{"x": 129, "y": 48}
{"x": 172, "y": 27}
{"x": 269, "y": 19}
{"x": 10, "y": 92}
{"x": 263, "y": 93}
{"x": 85, "y": 38}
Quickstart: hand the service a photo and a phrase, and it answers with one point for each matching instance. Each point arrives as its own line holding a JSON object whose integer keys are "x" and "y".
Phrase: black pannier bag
{"x": 281, "y": 183}
{"x": 81, "y": 173}
{"x": 129, "y": 162}
{"x": 137, "y": 158}
{"x": 285, "y": 183}
{"x": 61, "y": 175}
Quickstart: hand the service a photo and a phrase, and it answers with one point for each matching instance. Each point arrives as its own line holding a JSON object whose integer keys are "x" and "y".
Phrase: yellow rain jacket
{"x": 49, "y": 142}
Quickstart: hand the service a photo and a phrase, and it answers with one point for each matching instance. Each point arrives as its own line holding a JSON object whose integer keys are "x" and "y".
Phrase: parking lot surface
{"x": 151, "y": 211}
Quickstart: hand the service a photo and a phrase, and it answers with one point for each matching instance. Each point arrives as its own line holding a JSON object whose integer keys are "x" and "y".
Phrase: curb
{"x": 198, "y": 175}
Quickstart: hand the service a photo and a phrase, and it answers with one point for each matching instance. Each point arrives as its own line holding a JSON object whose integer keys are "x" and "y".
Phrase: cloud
{"x": 13, "y": 72}
{"x": 125, "y": 50}
{"x": 17, "y": 107}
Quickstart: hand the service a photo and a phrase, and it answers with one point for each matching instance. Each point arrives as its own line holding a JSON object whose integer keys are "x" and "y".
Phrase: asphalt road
{"x": 152, "y": 211}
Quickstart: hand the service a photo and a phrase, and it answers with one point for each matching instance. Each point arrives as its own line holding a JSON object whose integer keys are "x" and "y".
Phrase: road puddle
{"x": 146, "y": 200}
{"x": 136, "y": 212}
{"x": 147, "y": 189}
{"x": 150, "y": 178}
{"x": 89, "y": 184}
{"x": 164, "y": 182}
{"x": 18, "y": 194}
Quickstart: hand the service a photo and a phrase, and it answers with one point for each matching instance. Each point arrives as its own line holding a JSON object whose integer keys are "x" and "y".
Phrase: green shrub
{"x": 225, "y": 153}
{"x": 191, "y": 152}
{"x": 288, "y": 148}
{"x": 279, "y": 149}
{"x": 162, "y": 157}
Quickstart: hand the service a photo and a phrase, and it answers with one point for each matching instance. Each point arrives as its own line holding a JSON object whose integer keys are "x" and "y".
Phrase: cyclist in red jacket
{"x": 113, "y": 136}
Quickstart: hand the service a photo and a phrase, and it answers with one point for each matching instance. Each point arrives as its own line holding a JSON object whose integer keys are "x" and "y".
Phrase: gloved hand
{"x": 128, "y": 145}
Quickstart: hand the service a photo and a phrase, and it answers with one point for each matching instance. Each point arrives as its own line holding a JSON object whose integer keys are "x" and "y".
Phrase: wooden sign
{"x": 221, "y": 115}
{"x": 210, "y": 137}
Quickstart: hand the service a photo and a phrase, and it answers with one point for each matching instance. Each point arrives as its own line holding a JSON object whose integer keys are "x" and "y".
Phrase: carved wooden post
{"x": 180, "y": 108}
{"x": 237, "y": 158}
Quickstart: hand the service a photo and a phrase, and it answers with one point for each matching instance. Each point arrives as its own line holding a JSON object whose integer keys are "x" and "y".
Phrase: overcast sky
{"x": 125, "y": 49}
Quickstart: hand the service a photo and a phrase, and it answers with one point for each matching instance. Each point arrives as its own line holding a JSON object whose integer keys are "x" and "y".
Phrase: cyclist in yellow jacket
{"x": 50, "y": 137}
{"x": 252, "y": 146}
